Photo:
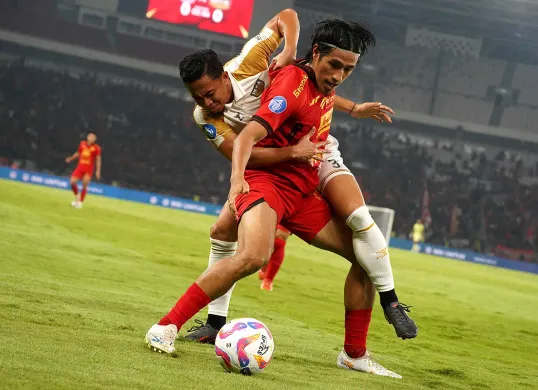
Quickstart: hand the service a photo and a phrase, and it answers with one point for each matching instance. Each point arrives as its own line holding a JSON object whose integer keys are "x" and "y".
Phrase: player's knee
{"x": 360, "y": 219}
{"x": 253, "y": 262}
{"x": 223, "y": 232}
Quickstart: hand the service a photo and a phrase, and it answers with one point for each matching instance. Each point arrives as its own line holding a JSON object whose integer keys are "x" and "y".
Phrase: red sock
{"x": 74, "y": 187}
{"x": 83, "y": 194}
{"x": 357, "y": 323}
{"x": 194, "y": 300}
{"x": 276, "y": 259}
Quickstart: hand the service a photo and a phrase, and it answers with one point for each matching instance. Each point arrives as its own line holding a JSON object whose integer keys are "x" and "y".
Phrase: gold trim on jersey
{"x": 322, "y": 181}
{"x": 325, "y": 123}
{"x": 366, "y": 229}
{"x": 254, "y": 57}
{"x": 214, "y": 127}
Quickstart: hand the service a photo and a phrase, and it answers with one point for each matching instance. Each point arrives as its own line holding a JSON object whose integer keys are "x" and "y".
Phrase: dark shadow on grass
{"x": 449, "y": 372}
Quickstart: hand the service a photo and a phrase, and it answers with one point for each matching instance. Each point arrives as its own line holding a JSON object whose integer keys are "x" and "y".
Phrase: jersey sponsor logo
{"x": 325, "y": 123}
{"x": 301, "y": 86}
{"x": 239, "y": 117}
{"x": 382, "y": 253}
{"x": 315, "y": 100}
{"x": 259, "y": 86}
{"x": 278, "y": 104}
{"x": 210, "y": 131}
{"x": 327, "y": 101}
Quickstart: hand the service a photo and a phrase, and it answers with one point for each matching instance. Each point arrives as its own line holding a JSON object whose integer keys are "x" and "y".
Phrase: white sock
{"x": 221, "y": 250}
{"x": 371, "y": 249}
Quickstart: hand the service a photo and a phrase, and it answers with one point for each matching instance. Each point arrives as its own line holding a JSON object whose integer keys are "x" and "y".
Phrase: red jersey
{"x": 88, "y": 154}
{"x": 290, "y": 107}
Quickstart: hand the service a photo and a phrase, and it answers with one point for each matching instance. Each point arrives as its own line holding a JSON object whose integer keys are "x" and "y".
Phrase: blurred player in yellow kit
{"x": 417, "y": 235}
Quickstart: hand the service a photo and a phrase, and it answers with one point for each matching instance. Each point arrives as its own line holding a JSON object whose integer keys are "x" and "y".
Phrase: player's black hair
{"x": 352, "y": 36}
{"x": 203, "y": 62}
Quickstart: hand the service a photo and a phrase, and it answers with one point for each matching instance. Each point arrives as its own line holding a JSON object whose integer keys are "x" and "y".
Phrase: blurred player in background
{"x": 89, "y": 160}
{"x": 417, "y": 235}
{"x": 267, "y": 273}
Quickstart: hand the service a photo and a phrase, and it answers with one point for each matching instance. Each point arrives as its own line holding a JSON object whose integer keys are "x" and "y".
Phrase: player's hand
{"x": 377, "y": 111}
{"x": 238, "y": 186}
{"x": 68, "y": 160}
{"x": 282, "y": 60}
{"x": 306, "y": 150}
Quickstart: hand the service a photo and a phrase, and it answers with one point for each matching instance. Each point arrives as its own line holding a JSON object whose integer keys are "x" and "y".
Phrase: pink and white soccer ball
{"x": 244, "y": 346}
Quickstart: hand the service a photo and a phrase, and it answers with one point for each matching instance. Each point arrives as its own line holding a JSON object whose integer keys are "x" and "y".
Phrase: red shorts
{"x": 82, "y": 170}
{"x": 303, "y": 215}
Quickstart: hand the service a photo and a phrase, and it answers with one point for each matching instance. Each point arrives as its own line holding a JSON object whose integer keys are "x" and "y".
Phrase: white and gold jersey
{"x": 249, "y": 77}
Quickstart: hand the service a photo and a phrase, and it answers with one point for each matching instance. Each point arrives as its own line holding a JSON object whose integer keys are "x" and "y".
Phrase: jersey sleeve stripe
{"x": 254, "y": 57}
{"x": 263, "y": 122}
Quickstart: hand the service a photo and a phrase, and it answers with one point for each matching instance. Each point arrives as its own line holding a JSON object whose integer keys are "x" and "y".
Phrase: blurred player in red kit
{"x": 268, "y": 272}
{"x": 89, "y": 160}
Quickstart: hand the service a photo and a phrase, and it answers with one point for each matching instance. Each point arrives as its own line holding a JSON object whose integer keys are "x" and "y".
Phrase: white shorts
{"x": 332, "y": 166}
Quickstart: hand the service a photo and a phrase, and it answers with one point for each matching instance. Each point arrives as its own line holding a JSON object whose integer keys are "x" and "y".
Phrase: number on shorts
{"x": 334, "y": 163}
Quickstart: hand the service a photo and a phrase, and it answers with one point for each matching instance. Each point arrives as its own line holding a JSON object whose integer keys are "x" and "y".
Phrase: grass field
{"x": 79, "y": 289}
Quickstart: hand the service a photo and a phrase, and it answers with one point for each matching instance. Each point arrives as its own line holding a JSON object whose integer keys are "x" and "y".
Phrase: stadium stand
{"x": 151, "y": 143}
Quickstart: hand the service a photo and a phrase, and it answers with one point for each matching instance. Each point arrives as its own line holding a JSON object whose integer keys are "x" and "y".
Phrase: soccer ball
{"x": 244, "y": 346}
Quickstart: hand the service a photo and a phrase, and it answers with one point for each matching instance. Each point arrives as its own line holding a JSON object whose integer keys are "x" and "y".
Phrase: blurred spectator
{"x": 150, "y": 142}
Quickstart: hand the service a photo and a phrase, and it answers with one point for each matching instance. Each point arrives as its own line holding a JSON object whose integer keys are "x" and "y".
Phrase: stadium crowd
{"x": 150, "y": 143}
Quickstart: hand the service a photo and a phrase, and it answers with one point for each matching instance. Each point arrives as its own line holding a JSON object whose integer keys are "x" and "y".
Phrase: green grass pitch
{"x": 79, "y": 289}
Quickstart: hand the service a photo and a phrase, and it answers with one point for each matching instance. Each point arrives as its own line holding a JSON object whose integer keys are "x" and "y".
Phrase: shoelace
{"x": 401, "y": 315}
{"x": 170, "y": 336}
{"x": 372, "y": 363}
{"x": 196, "y": 327}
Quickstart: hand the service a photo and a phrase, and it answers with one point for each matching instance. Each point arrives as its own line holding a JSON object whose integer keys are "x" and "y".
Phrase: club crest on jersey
{"x": 278, "y": 104}
{"x": 259, "y": 86}
{"x": 210, "y": 131}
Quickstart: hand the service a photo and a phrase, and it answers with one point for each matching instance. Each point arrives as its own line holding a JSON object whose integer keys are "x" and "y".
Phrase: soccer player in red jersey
{"x": 300, "y": 97}
{"x": 89, "y": 159}
{"x": 226, "y": 97}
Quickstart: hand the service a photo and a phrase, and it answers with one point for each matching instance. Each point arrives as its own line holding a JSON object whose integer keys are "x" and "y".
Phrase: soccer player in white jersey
{"x": 226, "y": 98}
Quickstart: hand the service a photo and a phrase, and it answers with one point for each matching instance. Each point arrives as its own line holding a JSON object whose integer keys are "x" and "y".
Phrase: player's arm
{"x": 255, "y": 55}
{"x": 374, "y": 110}
{"x": 243, "y": 146}
{"x": 303, "y": 151}
{"x": 222, "y": 136}
{"x": 72, "y": 157}
{"x": 98, "y": 163}
{"x": 286, "y": 25}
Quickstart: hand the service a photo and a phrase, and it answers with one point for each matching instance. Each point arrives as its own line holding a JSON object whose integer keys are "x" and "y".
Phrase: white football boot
{"x": 364, "y": 364}
{"x": 160, "y": 338}
{"x": 76, "y": 201}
